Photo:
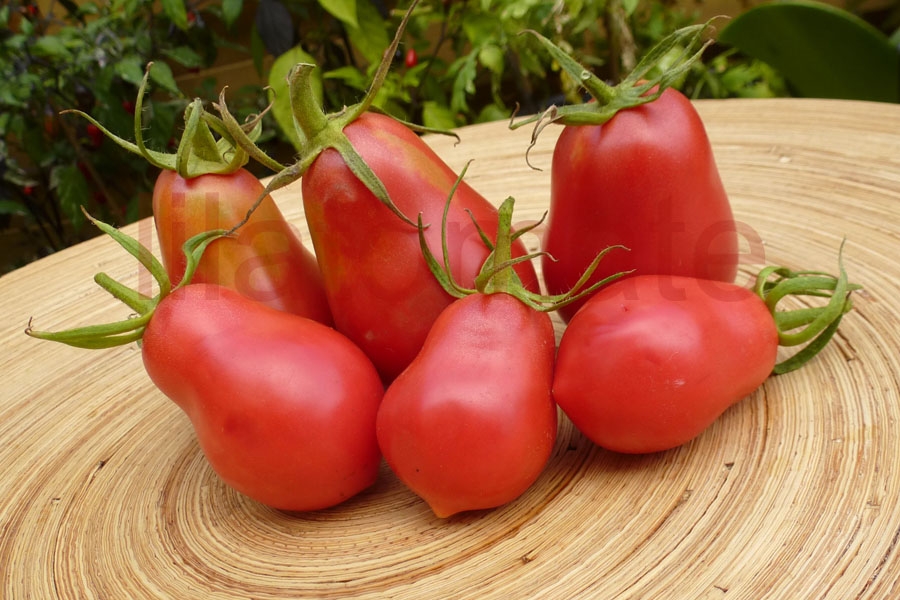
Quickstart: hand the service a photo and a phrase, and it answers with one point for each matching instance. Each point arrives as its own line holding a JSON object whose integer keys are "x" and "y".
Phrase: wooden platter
{"x": 794, "y": 493}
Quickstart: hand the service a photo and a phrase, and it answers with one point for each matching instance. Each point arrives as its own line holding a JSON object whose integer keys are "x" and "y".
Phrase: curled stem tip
{"x": 810, "y": 327}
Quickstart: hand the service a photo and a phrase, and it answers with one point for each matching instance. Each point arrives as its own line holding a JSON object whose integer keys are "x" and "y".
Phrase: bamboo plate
{"x": 793, "y": 493}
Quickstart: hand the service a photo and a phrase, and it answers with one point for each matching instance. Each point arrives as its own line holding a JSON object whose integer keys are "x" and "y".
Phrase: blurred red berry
{"x": 411, "y": 59}
{"x": 95, "y": 135}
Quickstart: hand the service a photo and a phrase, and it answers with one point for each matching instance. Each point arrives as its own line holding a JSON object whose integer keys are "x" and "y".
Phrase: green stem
{"x": 636, "y": 89}
{"x": 813, "y": 326}
{"x": 497, "y": 274}
{"x": 501, "y": 278}
{"x": 198, "y": 150}
{"x": 310, "y": 117}
{"x": 320, "y": 131}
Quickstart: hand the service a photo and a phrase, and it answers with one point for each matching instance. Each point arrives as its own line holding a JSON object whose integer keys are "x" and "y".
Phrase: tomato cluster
{"x": 416, "y": 332}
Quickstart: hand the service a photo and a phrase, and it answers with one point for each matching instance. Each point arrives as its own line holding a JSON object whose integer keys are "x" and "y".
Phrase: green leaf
{"x": 130, "y": 69}
{"x": 26, "y": 27}
{"x": 437, "y": 116}
{"x": 51, "y": 46}
{"x": 184, "y": 56}
{"x": 257, "y": 49}
{"x": 161, "y": 75}
{"x": 281, "y": 107}
{"x": 463, "y": 82}
{"x": 72, "y": 190}
{"x": 370, "y": 37}
{"x": 231, "y": 10}
{"x": 491, "y": 56}
{"x": 350, "y": 76}
{"x": 8, "y": 207}
{"x": 630, "y": 6}
{"x": 176, "y": 12}
{"x": 822, "y": 51}
{"x": 343, "y": 10}
{"x": 492, "y": 112}
{"x": 479, "y": 27}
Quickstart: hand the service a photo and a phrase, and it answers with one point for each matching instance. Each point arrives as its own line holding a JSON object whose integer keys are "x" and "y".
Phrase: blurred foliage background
{"x": 461, "y": 62}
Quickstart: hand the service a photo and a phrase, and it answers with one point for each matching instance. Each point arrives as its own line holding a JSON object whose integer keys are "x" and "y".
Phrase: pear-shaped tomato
{"x": 284, "y": 407}
{"x": 471, "y": 422}
{"x": 647, "y": 180}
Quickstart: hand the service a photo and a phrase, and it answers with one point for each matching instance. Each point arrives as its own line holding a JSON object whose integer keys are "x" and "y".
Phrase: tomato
{"x": 634, "y": 168}
{"x": 283, "y": 407}
{"x": 203, "y": 187}
{"x": 646, "y": 179}
{"x": 381, "y": 292}
{"x": 264, "y": 260}
{"x": 651, "y": 361}
{"x": 471, "y": 423}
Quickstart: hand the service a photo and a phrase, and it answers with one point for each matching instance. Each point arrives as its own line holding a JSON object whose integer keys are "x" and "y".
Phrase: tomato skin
{"x": 264, "y": 261}
{"x": 471, "y": 423}
{"x": 284, "y": 407}
{"x": 645, "y": 179}
{"x": 649, "y": 362}
{"x": 379, "y": 287}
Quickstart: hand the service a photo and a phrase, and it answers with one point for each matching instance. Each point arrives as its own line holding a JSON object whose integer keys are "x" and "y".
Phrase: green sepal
{"x": 813, "y": 326}
{"x": 133, "y": 299}
{"x": 129, "y": 330}
{"x": 497, "y": 274}
{"x": 633, "y": 91}
{"x": 244, "y": 136}
{"x": 199, "y": 152}
{"x": 137, "y": 250}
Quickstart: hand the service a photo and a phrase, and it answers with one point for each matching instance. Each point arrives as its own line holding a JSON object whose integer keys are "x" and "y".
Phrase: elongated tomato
{"x": 381, "y": 292}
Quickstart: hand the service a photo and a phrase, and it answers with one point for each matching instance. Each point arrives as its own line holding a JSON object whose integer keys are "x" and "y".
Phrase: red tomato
{"x": 381, "y": 292}
{"x": 471, "y": 423}
{"x": 284, "y": 407}
{"x": 646, "y": 179}
{"x": 649, "y": 362}
{"x": 264, "y": 261}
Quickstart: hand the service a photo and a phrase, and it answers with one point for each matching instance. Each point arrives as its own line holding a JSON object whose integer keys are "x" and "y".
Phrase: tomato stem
{"x": 497, "y": 274}
{"x": 813, "y": 326}
{"x": 198, "y": 152}
{"x": 638, "y": 87}
{"x": 320, "y": 131}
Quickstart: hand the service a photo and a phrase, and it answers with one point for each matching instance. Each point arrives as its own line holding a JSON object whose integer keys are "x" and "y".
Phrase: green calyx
{"x": 130, "y": 330}
{"x": 319, "y": 131}
{"x": 199, "y": 151}
{"x": 636, "y": 89}
{"x": 497, "y": 274}
{"x": 812, "y": 326}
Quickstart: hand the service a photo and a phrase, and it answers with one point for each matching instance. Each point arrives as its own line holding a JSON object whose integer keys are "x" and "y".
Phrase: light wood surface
{"x": 794, "y": 493}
